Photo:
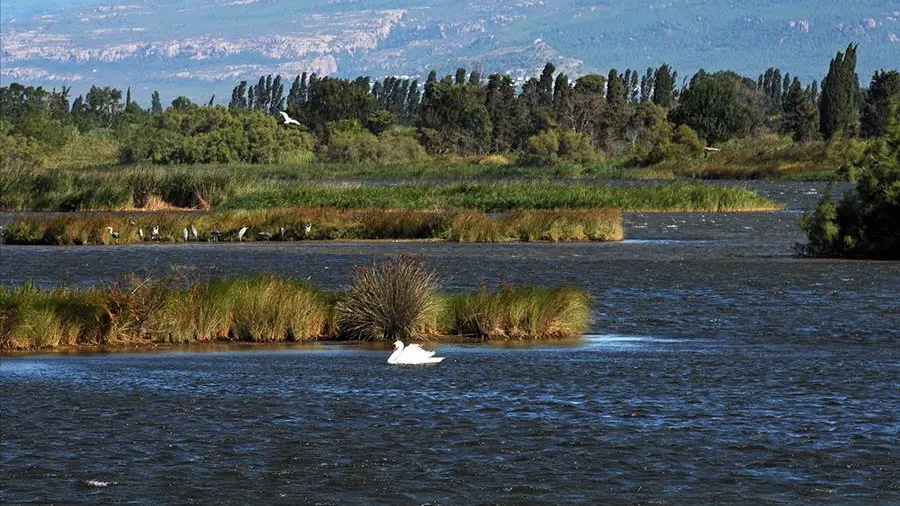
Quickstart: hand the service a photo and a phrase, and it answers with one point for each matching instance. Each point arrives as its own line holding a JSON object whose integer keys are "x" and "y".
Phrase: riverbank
{"x": 223, "y": 189}
{"x": 296, "y": 224}
{"x": 139, "y": 312}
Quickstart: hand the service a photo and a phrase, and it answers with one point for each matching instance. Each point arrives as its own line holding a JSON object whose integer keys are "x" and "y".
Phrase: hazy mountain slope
{"x": 200, "y": 47}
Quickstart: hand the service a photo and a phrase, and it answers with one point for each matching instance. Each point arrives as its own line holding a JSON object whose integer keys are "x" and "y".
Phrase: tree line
{"x": 644, "y": 116}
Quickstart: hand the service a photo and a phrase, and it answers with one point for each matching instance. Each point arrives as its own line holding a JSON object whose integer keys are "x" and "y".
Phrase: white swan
{"x": 412, "y": 354}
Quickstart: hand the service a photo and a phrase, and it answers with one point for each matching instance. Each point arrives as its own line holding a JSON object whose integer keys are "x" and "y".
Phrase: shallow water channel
{"x": 720, "y": 369}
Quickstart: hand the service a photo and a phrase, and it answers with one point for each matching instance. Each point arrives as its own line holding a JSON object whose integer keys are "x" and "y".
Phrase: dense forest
{"x": 636, "y": 118}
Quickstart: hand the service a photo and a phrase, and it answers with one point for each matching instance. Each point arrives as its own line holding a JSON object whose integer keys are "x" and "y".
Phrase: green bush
{"x": 866, "y": 222}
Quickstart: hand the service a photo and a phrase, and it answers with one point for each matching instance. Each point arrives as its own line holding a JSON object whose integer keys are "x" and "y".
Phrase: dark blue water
{"x": 610, "y": 419}
{"x": 724, "y": 369}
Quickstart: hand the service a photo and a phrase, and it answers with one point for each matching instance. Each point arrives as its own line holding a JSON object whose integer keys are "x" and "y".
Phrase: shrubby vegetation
{"x": 289, "y": 224}
{"x": 388, "y": 301}
{"x": 635, "y": 119}
{"x": 866, "y": 221}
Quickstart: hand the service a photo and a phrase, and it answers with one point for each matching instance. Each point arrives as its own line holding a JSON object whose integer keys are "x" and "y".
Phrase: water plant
{"x": 394, "y": 299}
{"x": 388, "y": 301}
{"x": 289, "y": 224}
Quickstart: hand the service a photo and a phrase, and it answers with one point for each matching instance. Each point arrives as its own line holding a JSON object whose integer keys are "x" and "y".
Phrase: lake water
{"x": 720, "y": 369}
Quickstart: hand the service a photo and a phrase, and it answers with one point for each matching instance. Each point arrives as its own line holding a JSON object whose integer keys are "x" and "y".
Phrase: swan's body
{"x": 287, "y": 119}
{"x": 412, "y": 354}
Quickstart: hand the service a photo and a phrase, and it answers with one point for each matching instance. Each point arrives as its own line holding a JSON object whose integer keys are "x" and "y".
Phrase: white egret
{"x": 141, "y": 233}
{"x": 307, "y": 229}
{"x": 241, "y": 233}
{"x": 287, "y": 119}
{"x": 194, "y": 232}
{"x": 154, "y": 233}
{"x": 184, "y": 234}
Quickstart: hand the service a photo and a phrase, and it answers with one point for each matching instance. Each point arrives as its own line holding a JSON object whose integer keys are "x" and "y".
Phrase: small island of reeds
{"x": 396, "y": 299}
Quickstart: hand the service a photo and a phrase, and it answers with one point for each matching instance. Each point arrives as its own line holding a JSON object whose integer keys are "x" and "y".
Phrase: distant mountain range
{"x": 201, "y": 47}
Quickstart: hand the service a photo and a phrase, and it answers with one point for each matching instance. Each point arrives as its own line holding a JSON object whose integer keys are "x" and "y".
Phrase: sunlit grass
{"x": 144, "y": 311}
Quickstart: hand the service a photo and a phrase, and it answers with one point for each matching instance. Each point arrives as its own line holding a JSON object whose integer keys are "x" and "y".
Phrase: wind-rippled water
{"x": 721, "y": 369}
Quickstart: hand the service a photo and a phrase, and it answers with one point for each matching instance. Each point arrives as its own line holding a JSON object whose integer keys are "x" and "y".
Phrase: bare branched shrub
{"x": 134, "y": 302}
{"x": 392, "y": 300}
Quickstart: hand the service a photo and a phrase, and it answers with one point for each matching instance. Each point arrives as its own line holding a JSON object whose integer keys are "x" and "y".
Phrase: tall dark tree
{"x": 647, "y": 85}
{"x": 460, "y": 76}
{"x": 545, "y": 86}
{"x": 838, "y": 106}
{"x": 800, "y": 118}
{"x": 884, "y": 88}
{"x": 293, "y": 98}
{"x": 239, "y": 96}
{"x": 500, "y": 102}
{"x": 664, "y": 86}
{"x": 155, "y": 103}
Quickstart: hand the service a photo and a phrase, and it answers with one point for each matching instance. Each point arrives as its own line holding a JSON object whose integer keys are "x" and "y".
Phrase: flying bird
{"x": 287, "y": 119}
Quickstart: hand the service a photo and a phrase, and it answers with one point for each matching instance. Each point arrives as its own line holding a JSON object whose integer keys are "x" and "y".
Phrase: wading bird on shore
{"x": 215, "y": 234}
{"x": 154, "y": 233}
{"x": 184, "y": 234}
{"x": 113, "y": 234}
{"x": 241, "y": 233}
{"x": 306, "y": 230}
{"x": 264, "y": 235}
{"x": 194, "y": 232}
{"x": 141, "y": 234}
{"x": 287, "y": 119}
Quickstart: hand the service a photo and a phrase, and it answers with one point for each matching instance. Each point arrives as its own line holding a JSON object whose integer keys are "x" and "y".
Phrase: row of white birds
{"x": 214, "y": 234}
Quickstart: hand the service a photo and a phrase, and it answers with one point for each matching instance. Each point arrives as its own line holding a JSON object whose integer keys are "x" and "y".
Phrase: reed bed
{"x": 317, "y": 224}
{"x": 226, "y": 188}
{"x": 143, "y": 311}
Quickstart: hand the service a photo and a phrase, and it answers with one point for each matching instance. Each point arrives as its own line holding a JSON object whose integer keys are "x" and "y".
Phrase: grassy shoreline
{"x": 138, "y": 312}
{"x": 290, "y": 224}
{"x": 220, "y": 190}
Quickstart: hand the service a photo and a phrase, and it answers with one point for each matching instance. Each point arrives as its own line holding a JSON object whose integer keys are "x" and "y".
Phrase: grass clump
{"x": 388, "y": 301}
{"x": 395, "y": 299}
{"x": 291, "y": 224}
{"x": 519, "y": 313}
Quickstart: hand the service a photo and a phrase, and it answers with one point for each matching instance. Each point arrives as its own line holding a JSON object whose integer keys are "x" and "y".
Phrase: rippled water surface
{"x": 721, "y": 369}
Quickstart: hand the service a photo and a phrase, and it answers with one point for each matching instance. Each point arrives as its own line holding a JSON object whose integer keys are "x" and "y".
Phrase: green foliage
{"x": 838, "y": 112}
{"x": 720, "y": 106}
{"x": 866, "y": 222}
{"x": 884, "y": 88}
{"x": 211, "y": 135}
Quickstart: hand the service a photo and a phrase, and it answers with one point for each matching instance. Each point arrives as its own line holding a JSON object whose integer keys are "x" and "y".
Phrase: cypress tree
{"x": 155, "y": 103}
{"x": 885, "y": 86}
{"x": 838, "y": 112}
{"x": 799, "y": 118}
{"x": 664, "y": 86}
{"x": 545, "y": 85}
